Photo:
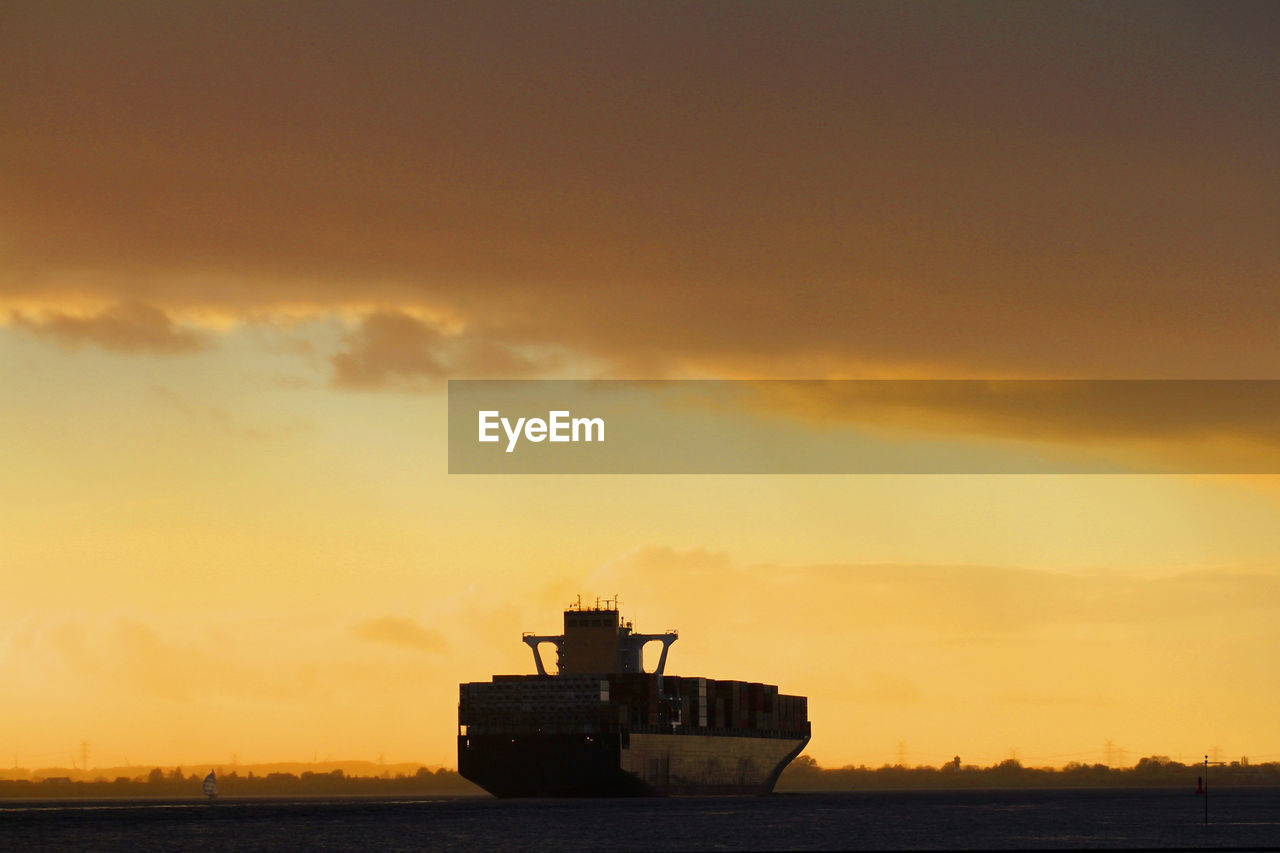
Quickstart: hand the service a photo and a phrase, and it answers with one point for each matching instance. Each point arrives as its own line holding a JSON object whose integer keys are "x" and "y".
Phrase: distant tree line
{"x": 174, "y": 783}
{"x": 1157, "y": 771}
{"x": 803, "y": 774}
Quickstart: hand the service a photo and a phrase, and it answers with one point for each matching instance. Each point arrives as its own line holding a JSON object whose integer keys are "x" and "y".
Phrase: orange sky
{"x": 242, "y": 249}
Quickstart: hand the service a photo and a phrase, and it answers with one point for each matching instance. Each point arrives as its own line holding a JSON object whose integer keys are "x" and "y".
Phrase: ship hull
{"x": 620, "y": 765}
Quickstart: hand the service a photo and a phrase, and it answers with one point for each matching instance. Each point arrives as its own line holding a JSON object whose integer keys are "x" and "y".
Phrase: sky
{"x": 244, "y": 247}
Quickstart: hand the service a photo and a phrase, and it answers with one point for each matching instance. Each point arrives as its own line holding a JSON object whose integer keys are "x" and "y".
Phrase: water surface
{"x": 1246, "y": 818}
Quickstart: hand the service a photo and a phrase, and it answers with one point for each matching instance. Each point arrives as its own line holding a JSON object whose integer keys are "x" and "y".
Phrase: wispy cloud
{"x": 400, "y": 631}
{"x": 128, "y": 327}
{"x": 945, "y": 602}
{"x": 393, "y": 349}
{"x": 223, "y": 420}
{"x": 124, "y": 654}
{"x": 1206, "y": 426}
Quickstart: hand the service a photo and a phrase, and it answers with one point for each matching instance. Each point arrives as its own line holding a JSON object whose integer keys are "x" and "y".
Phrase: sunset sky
{"x": 244, "y": 246}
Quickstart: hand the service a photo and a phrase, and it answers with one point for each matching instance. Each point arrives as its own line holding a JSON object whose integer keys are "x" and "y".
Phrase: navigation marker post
{"x": 1207, "y": 763}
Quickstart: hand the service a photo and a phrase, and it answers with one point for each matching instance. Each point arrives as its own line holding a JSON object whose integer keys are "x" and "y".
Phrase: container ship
{"x": 602, "y": 726}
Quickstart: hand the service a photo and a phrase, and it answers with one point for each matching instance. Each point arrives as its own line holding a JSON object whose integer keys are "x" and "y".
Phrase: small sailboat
{"x": 211, "y": 786}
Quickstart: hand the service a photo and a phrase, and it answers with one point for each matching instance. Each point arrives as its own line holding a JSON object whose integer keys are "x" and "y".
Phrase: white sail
{"x": 211, "y": 785}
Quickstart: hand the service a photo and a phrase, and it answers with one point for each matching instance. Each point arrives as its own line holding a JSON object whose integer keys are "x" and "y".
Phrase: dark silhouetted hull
{"x": 639, "y": 764}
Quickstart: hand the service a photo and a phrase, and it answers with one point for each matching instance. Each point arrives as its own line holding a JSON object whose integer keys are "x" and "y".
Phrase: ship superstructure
{"x": 602, "y": 726}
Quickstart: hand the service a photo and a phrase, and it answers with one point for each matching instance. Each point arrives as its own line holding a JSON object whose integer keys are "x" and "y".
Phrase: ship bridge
{"x": 597, "y": 641}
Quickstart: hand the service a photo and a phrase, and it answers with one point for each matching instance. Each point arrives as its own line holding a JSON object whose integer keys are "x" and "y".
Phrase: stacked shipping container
{"x": 634, "y": 702}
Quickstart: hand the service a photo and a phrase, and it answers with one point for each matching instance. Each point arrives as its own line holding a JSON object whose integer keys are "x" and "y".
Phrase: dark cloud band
{"x": 865, "y": 427}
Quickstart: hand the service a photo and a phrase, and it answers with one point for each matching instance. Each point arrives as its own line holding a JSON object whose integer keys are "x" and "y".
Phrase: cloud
{"x": 944, "y": 602}
{"x": 1037, "y": 409}
{"x": 223, "y": 421}
{"x": 1186, "y": 425}
{"x": 974, "y": 644}
{"x": 126, "y": 655}
{"x": 189, "y": 686}
{"x": 129, "y": 327}
{"x": 388, "y": 346}
{"x": 392, "y": 348}
{"x": 1002, "y": 653}
{"x": 401, "y": 632}
{"x": 666, "y": 190}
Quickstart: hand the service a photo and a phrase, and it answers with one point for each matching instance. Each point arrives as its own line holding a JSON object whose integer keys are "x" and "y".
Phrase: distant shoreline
{"x": 803, "y": 776}
{"x": 91, "y": 803}
{"x": 175, "y": 785}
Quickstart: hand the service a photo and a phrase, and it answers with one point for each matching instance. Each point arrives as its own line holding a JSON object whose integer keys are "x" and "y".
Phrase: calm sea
{"x": 1098, "y": 819}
